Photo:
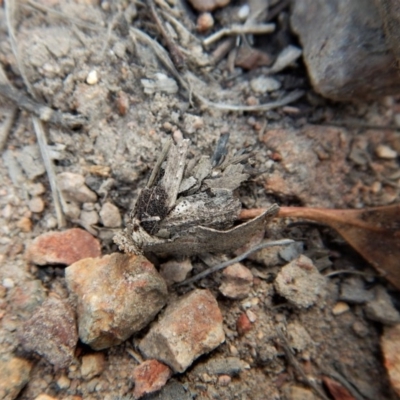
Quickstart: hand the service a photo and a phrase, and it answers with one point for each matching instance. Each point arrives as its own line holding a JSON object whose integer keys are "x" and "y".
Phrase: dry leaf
{"x": 372, "y": 232}
{"x": 337, "y": 391}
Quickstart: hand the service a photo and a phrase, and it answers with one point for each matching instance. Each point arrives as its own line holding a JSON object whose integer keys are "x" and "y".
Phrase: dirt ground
{"x": 311, "y": 152}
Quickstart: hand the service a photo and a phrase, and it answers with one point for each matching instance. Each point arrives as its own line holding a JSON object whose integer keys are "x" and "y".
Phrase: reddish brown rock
{"x": 149, "y": 377}
{"x": 243, "y": 324}
{"x": 237, "y": 281}
{"x": 116, "y": 296}
{"x": 189, "y": 328}
{"x": 390, "y": 343}
{"x": 63, "y": 247}
{"x": 51, "y": 332}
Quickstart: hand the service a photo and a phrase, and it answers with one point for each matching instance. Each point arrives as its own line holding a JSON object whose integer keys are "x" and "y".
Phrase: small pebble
{"x": 25, "y": 224}
{"x": 264, "y": 84}
{"x": 92, "y": 77}
{"x": 205, "y": 21}
{"x": 385, "y": 152}
{"x": 36, "y": 204}
{"x": 63, "y": 382}
{"x": 89, "y": 218}
{"x": 14, "y": 373}
{"x": 237, "y": 281}
{"x": 224, "y": 380}
{"x": 244, "y": 11}
{"x": 243, "y": 324}
{"x": 110, "y": 215}
{"x": 340, "y": 308}
{"x": 8, "y": 283}
{"x": 175, "y": 271}
{"x": 92, "y": 365}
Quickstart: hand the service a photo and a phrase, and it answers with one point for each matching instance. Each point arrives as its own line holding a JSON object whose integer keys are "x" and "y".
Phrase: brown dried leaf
{"x": 372, "y": 232}
{"x": 337, "y": 391}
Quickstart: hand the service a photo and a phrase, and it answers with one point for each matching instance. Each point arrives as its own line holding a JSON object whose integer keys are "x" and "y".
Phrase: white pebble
{"x": 8, "y": 283}
{"x": 244, "y": 12}
{"x": 264, "y": 84}
{"x": 386, "y": 152}
{"x": 92, "y": 77}
{"x": 36, "y": 204}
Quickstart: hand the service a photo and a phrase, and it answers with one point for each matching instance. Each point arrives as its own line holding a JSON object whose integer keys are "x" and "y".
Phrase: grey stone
{"x": 344, "y": 48}
{"x": 74, "y": 188}
{"x": 300, "y": 282}
{"x": 381, "y": 308}
{"x": 110, "y": 215}
{"x": 222, "y": 366}
{"x": 31, "y": 161}
{"x": 353, "y": 291}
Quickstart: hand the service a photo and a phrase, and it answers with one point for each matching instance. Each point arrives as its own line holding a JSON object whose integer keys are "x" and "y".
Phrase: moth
{"x": 191, "y": 207}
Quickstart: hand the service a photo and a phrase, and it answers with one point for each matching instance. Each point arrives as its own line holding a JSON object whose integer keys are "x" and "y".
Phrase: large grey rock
{"x": 116, "y": 296}
{"x": 344, "y": 48}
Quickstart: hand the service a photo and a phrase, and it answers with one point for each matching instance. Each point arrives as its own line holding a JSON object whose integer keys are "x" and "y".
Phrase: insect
{"x": 191, "y": 207}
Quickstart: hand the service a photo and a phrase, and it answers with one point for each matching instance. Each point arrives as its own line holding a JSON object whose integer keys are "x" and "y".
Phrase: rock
{"x": 110, "y": 215}
{"x": 116, "y": 296}
{"x": 31, "y": 161}
{"x": 74, "y": 188}
{"x": 208, "y": 5}
{"x": 224, "y": 380}
{"x": 352, "y": 291}
{"x": 64, "y": 247}
{"x": 390, "y": 343}
{"x": 289, "y": 253}
{"x": 92, "y": 77}
{"x": 205, "y": 21}
{"x": 88, "y": 219}
{"x": 231, "y": 366}
{"x": 299, "y": 338}
{"x": 340, "y": 308}
{"x": 237, "y": 281}
{"x": 26, "y": 298}
{"x": 243, "y": 324}
{"x": 264, "y": 84}
{"x": 92, "y": 365}
{"x": 190, "y": 327}
{"x": 8, "y": 283}
{"x": 381, "y": 308}
{"x": 386, "y": 152}
{"x": 175, "y": 271}
{"x": 36, "y": 204}
{"x": 44, "y": 396}
{"x": 63, "y": 382}
{"x": 51, "y": 332}
{"x": 300, "y": 282}
{"x": 345, "y": 51}
{"x": 294, "y": 392}
{"x": 25, "y": 224}
{"x": 150, "y": 376}
{"x": 14, "y": 372}
{"x": 172, "y": 391}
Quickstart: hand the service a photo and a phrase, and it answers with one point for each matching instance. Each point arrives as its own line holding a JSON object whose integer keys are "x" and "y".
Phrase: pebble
{"x": 63, "y": 382}
{"x": 175, "y": 271}
{"x": 264, "y": 84}
{"x": 51, "y": 332}
{"x": 340, "y": 308}
{"x": 237, "y": 281}
{"x": 74, "y": 188}
{"x": 243, "y": 324}
{"x": 64, "y": 247}
{"x": 190, "y": 327}
{"x": 294, "y": 392}
{"x": 116, "y": 296}
{"x": 289, "y": 253}
{"x": 92, "y": 365}
{"x": 381, "y": 308}
{"x": 110, "y": 215}
{"x": 230, "y": 366}
{"x": 44, "y": 396}
{"x": 92, "y": 77}
{"x": 390, "y": 344}
{"x": 36, "y": 204}
{"x": 150, "y": 376}
{"x": 299, "y": 338}
{"x": 14, "y": 373}
{"x": 208, "y": 5}
{"x": 8, "y": 283}
{"x": 300, "y": 282}
{"x": 353, "y": 291}
{"x": 385, "y": 152}
{"x": 224, "y": 380}
{"x": 88, "y": 219}
{"x": 25, "y": 224}
{"x": 205, "y": 22}
{"x": 244, "y": 12}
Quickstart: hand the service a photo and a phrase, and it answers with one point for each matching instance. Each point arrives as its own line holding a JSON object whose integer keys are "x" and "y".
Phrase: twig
{"x": 6, "y": 126}
{"x": 348, "y": 271}
{"x": 43, "y": 112}
{"x": 176, "y": 54}
{"x": 78, "y": 22}
{"x": 290, "y": 98}
{"x": 57, "y": 197}
{"x": 259, "y": 29}
{"x": 239, "y": 258}
{"x": 292, "y": 360}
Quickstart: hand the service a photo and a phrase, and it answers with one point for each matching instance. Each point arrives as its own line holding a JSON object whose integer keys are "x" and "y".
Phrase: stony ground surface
{"x": 263, "y": 329}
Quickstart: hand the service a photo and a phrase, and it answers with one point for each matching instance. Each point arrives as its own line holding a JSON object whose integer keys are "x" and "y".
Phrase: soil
{"x": 299, "y": 157}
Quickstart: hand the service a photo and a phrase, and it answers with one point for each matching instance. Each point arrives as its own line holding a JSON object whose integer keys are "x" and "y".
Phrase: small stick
{"x": 239, "y": 258}
{"x": 176, "y": 54}
{"x": 296, "y": 365}
{"x": 259, "y": 29}
{"x": 6, "y": 126}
